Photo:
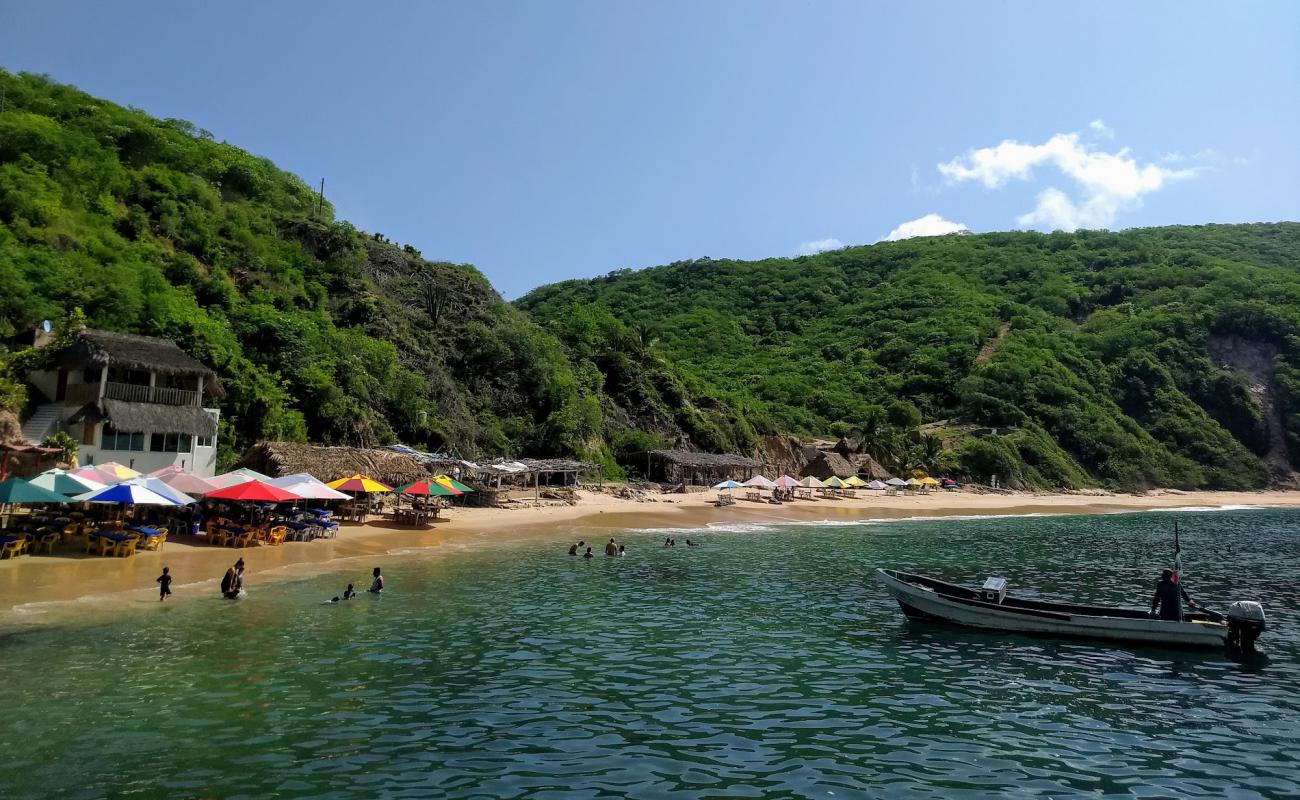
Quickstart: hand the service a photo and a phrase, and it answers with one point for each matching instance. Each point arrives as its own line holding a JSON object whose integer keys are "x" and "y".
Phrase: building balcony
{"x": 132, "y": 393}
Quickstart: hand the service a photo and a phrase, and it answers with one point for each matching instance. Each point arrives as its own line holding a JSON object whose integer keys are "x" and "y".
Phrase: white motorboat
{"x": 991, "y": 608}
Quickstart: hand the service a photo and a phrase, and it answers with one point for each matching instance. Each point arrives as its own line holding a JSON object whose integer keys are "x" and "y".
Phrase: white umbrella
{"x": 126, "y": 493}
{"x": 64, "y": 482}
{"x": 761, "y": 482}
{"x": 727, "y": 484}
{"x": 786, "y": 482}
{"x": 877, "y": 485}
{"x": 896, "y": 482}
{"x": 236, "y": 477}
{"x": 313, "y": 490}
{"x": 157, "y": 485}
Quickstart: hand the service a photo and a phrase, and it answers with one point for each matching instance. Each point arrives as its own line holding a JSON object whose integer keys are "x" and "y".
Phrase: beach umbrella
{"x": 834, "y": 482}
{"x": 307, "y": 487}
{"x": 65, "y": 483}
{"x": 188, "y": 482}
{"x": 896, "y": 482}
{"x": 426, "y": 489}
{"x": 162, "y": 472}
{"x": 812, "y": 483}
{"x": 452, "y": 483}
{"x": 114, "y": 471}
{"x": 253, "y": 491}
{"x": 786, "y": 482}
{"x": 166, "y": 490}
{"x": 761, "y": 482}
{"x": 359, "y": 483}
{"x": 928, "y": 481}
{"x": 127, "y": 494}
{"x": 911, "y": 482}
{"x": 855, "y": 482}
{"x": 728, "y": 484}
{"x": 238, "y": 476}
{"x": 877, "y": 485}
{"x": 17, "y": 490}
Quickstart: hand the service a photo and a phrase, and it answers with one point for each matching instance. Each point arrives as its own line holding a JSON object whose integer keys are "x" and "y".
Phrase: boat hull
{"x": 923, "y": 603}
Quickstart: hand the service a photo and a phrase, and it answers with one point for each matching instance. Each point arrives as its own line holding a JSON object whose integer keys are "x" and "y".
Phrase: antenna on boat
{"x": 1178, "y": 549}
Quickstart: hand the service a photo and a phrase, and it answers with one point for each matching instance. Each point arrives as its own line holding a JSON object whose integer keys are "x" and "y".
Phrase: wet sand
{"x": 66, "y": 586}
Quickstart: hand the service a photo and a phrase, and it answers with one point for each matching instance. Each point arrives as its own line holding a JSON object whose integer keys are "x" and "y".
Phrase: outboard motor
{"x": 1245, "y": 623}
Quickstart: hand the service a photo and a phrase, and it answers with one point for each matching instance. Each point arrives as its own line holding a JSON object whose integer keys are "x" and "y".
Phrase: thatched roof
{"x": 331, "y": 463}
{"x": 828, "y": 464}
{"x": 869, "y": 468}
{"x": 108, "y": 349}
{"x": 556, "y": 464}
{"x": 689, "y": 458}
{"x": 149, "y": 417}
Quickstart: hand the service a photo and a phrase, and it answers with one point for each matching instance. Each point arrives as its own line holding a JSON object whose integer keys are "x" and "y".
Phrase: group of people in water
{"x": 615, "y": 550}
{"x": 232, "y": 584}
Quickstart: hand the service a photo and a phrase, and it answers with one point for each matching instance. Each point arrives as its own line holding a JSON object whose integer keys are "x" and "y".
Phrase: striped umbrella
{"x": 452, "y": 483}
{"x": 359, "y": 483}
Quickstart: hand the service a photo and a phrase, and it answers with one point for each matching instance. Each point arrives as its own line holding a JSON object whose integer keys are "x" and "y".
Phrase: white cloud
{"x": 929, "y": 225}
{"x": 819, "y": 246}
{"x": 1106, "y": 183}
{"x": 1100, "y": 128}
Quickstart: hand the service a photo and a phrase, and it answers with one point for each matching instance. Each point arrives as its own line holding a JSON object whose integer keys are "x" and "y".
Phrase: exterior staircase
{"x": 44, "y": 422}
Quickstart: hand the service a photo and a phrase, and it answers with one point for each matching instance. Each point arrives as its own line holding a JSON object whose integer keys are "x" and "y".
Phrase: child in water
{"x": 622, "y": 549}
{"x": 164, "y": 584}
{"x": 588, "y": 554}
{"x": 348, "y": 594}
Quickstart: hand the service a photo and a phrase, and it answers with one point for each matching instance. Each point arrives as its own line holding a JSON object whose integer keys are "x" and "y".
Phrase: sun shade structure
{"x": 927, "y": 481}
{"x": 308, "y": 488}
{"x": 761, "y": 482}
{"x": 359, "y": 483}
{"x": 812, "y": 483}
{"x": 896, "y": 482}
{"x": 65, "y": 483}
{"x": 126, "y": 494}
{"x": 877, "y": 485}
{"x": 427, "y": 489}
{"x": 853, "y": 481}
{"x": 153, "y": 484}
{"x": 786, "y": 482}
{"x": 728, "y": 484}
{"x": 833, "y": 483}
{"x": 254, "y": 491}
{"x": 17, "y": 490}
{"x": 236, "y": 477}
{"x": 109, "y": 472}
{"x": 188, "y": 482}
{"x": 452, "y": 483}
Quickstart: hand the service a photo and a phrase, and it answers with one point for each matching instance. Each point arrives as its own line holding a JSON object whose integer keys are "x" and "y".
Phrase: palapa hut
{"x": 829, "y": 464}
{"x": 689, "y": 467}
{"x": 331, "y": 463}
{"x": 868, "y": 468}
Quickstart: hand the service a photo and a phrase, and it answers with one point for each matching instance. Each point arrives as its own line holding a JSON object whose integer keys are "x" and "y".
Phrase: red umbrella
{"x": 253, "y": 492}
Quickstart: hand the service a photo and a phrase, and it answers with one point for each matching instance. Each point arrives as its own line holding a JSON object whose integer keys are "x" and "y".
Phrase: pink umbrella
{"x": 786, "y": 482}
{"x": 187, "y": 482}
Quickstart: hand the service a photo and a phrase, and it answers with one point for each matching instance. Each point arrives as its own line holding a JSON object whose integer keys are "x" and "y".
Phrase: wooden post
{"x": 103, "y": 382}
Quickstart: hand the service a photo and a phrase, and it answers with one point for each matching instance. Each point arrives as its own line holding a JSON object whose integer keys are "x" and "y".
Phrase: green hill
{"x": 317, "y": 330}
{"x": 1158, "y": 357}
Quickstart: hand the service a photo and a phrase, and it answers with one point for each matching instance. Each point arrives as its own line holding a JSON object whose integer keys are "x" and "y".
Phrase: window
{"x": 91, "y": 375}
{"x": 169, "y": 443}
{"x": 204, "y": 441}
{"x": 121, "y": 440}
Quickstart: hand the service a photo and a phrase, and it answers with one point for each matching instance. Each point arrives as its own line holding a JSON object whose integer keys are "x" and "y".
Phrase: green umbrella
{"x": 17, "y": 490}
{"x": 452, "y": 482}
{"x": 426, "y": 489}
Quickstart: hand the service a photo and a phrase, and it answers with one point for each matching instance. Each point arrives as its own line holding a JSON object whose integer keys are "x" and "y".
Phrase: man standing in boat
{"x": 1169, "y": 597}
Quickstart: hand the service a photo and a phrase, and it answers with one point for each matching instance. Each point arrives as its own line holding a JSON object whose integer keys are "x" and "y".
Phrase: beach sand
{"x": 52, "y": 588}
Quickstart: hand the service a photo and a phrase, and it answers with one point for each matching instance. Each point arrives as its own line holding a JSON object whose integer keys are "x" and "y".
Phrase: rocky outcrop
{"x": 1252, "y": 361}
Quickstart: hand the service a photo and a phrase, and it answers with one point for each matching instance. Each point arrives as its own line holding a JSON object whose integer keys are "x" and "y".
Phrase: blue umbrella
{"x": 728, "y": 484}
{"x": 127, "y": 493}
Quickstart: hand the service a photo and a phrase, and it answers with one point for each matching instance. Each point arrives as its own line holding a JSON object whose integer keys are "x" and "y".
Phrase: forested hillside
{"x": 1158, "y": 357}
{"x": 317, "y": 330}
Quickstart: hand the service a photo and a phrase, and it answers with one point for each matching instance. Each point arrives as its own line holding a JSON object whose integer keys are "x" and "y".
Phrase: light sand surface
{"x": 60, "y": 587}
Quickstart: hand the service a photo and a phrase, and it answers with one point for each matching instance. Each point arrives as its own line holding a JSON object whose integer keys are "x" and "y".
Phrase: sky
{"x": 542, "y": 141}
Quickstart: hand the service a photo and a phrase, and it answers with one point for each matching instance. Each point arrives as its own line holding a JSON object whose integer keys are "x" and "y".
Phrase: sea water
{"x": 767, "y": 662}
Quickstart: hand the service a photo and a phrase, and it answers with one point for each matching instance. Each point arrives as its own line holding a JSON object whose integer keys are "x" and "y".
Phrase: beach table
{"x": 302, "y": 531}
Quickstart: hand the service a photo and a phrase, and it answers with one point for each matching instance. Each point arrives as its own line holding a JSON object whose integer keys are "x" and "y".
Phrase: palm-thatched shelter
{"x": 829, "y": 464}
{"x": 690, "y": 467}
{"x": 329, "y": 463}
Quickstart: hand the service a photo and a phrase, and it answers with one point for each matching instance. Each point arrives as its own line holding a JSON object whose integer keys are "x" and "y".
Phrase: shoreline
{"x": 45, "y": 589}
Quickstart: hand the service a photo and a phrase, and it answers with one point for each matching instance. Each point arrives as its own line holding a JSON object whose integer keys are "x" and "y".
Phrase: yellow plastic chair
{"x": 13, "y": 549}
{"x": 276, "y": 534}
{"x": 124, "y": 548}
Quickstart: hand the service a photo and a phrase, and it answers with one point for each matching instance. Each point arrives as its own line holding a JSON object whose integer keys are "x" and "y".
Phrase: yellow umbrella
{"x": 927, "y": 481}
{"x": 834, "y": 482}
{"x": 855, "y": 482}
{"x": 358, "y": 483}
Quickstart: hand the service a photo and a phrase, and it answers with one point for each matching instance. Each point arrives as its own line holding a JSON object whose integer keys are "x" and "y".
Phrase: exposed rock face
{"x": 10, "y": 430}
{"x": 1253, "y": 361}
{"x": 780, "y": 455}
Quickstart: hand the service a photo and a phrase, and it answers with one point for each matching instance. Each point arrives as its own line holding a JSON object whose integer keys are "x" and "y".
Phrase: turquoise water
{"x": 765, "y": 663}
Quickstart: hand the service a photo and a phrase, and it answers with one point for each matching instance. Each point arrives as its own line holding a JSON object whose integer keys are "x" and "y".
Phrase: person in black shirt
{"x": 164, "y": 584}
{"x": 1169, "y": 598}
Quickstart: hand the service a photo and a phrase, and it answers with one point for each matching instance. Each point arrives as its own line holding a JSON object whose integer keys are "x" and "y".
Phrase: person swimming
{"x": 611, "y": 549}
{"x": 668, "y": 542}
{"x": 689, "y": 543}
{"x": 376, "y": 585}
{"x": 622, "y": 550}
{"x": 573, "y": 549}
{"x": 232, "y": 583}
{"x": 588, "y": 554}
{"x": 348, "y": 594}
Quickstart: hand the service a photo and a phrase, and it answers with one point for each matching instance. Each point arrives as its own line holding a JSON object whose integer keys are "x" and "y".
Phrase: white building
{"x": 135, "y": 400}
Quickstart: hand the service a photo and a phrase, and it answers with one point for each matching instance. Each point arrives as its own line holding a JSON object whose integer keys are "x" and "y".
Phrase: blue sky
{"x": 548, "y": 140}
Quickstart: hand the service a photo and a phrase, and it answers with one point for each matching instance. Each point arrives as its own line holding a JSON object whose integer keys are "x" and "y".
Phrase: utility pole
{"x": 320, "y": 199}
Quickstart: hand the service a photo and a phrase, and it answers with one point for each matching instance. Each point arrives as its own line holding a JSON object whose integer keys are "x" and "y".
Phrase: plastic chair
{"x": 124, "y": 548}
